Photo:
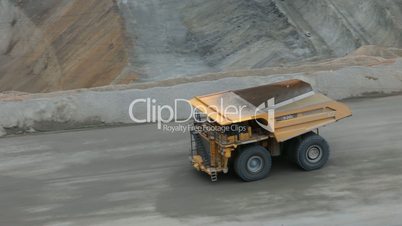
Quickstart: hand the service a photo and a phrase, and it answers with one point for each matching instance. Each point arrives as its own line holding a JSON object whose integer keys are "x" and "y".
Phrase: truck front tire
{"x": 253, "y": 163}
{"x": 311, "y": 152}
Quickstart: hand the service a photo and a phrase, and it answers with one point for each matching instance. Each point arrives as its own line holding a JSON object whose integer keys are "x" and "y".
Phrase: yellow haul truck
{"x": 242, "y": 129}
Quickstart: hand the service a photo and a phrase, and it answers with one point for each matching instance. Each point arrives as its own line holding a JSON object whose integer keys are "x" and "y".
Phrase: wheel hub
{"x": 255, "y": 164}
{"x": 314, "y": 153}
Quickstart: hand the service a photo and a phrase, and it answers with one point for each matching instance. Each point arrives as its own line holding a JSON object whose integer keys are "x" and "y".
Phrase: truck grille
{"x": 200, "y": 146}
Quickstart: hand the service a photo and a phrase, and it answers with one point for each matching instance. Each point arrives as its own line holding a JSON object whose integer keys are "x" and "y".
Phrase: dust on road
{"x": 141, "y": 176}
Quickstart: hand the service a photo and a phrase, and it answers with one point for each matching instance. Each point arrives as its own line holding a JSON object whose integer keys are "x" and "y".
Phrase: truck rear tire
{"x": 253, "y": 163}
{"x": 311, "y": 152}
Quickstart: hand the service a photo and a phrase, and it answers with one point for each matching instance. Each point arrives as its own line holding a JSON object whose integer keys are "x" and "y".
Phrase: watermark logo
{"x": 156, "y": 113}
{"x": 269, "y": 107}
{"x": 149, "y": 110}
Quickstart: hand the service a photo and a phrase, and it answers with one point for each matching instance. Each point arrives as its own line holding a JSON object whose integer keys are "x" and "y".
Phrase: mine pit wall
{"x": 346, "y": 25}
{"x": 70, "y": 44}
{"x": 77, "y": 109}
{"x": 181, "y": 39}
{"x": 238, "y": 34}
{"x": 51, "y": 45}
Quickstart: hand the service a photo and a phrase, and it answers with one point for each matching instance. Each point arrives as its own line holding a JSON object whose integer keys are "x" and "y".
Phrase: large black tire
{"x": 311, "y": 152}
{"x": 253, "y": 163}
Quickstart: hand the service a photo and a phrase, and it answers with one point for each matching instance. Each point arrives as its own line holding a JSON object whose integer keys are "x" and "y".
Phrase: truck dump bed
{"x": 297, "y": 108}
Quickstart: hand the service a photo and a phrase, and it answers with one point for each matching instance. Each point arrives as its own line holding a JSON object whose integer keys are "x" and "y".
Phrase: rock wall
{"x": 53, "y": 45}
{"x": 176, "y": 38}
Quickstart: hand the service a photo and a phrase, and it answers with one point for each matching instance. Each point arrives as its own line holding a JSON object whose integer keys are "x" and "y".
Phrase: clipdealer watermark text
{"x": 162, "y": 115}
{"x": 205, "y": 128}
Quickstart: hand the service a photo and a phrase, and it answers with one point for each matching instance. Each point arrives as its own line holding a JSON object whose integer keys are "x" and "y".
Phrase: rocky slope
{"x": 52, "y": 45}
{"x": 178, "y": 38}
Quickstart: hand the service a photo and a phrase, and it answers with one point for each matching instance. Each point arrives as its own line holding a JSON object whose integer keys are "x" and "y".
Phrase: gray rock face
{"x": 55, "y": 45}
{"x": 176, "y": 38}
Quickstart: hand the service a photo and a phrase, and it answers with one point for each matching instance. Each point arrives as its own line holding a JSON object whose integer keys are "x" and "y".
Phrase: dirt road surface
{"x": 141, "y": 176}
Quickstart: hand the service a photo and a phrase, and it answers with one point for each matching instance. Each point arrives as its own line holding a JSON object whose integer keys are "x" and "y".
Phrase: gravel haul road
{"x": 141, "y": 176}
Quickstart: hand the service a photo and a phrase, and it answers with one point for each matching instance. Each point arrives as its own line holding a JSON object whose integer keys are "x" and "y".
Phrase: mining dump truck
{"x": 243, "y": 129}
